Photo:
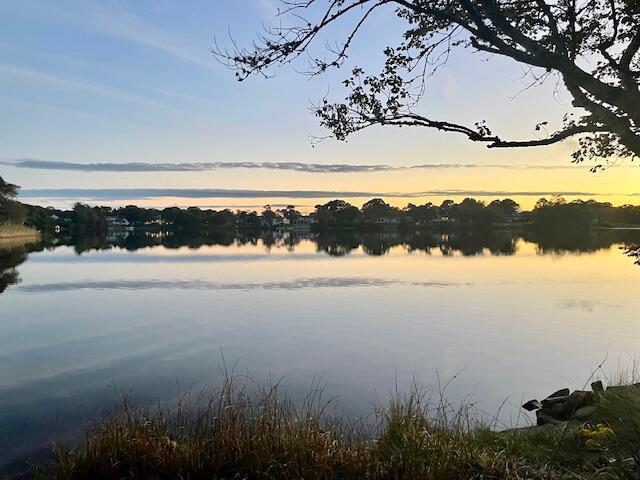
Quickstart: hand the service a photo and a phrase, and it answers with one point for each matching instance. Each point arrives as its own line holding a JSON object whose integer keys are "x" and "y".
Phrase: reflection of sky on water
{"x": 518, "y": 325}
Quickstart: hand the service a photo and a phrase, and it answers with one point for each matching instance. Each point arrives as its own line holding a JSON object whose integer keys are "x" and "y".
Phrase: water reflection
{"x": 337, "y": 244}
{"x": 11, "y": 256}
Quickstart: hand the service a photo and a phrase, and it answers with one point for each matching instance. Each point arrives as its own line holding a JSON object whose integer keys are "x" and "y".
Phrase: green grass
{"x": 246, "y": 432}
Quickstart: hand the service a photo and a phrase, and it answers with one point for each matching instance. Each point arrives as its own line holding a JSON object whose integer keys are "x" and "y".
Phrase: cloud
{"x": 104, "y": 194}
{"x": 37, "y": 164}
{"x": 125, "y": 25}
{"x": 297, "y": 284}
{"x": 77, "y": 84}
{"x": 588, "y": 306}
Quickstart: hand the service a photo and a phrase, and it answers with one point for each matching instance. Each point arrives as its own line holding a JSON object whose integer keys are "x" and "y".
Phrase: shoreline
{"x": 15, "y": 237}
{"x": 10, "y": 232}
{"x": 264, "y": 434}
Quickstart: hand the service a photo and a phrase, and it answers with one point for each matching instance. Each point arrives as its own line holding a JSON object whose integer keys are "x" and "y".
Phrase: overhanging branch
{"x": 477, "y": 135}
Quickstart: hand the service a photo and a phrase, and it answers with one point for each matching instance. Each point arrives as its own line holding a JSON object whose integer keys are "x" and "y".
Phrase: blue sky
{"x": 121, "y": 82}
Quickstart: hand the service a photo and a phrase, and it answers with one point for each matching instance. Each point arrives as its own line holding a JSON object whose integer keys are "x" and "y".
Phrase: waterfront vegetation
{"x": 243, "y": 431}
{"x": 339, "y": 214}
{"x": 11, "y": 231}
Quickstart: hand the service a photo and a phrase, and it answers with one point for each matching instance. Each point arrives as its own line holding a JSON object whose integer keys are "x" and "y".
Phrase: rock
{"x": 532, "y": 405}
{"x": 584, "y": 412}
{"x": 560, "y": 411}
{"x": 560, "y": 393}
{"x": 597, "y": 386}
{"x": 550, "y": 401}
{"x": 545, "y": 419}
{"x": 581, "y": 398}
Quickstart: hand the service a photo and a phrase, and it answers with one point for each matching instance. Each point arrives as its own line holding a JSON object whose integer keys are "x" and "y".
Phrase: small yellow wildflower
{"x": 604, "y": 431}
{"x": 592, "y": 443}
{"x": 585, "y": 432}
{"x": 595, "y": 437}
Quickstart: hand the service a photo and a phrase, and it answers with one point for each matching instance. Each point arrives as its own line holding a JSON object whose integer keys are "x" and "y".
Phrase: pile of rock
{"x": 564, "y": 405}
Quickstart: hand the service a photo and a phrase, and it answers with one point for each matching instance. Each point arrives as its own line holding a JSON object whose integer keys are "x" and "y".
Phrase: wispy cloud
{"x": 125, "y": 25}
{"x": 106, "y": 194}
{"x": 78, "y": 84}
{"x": 297, "y": 284}
{"x": 34, "y": 163}
{"x": 68, "y": 63}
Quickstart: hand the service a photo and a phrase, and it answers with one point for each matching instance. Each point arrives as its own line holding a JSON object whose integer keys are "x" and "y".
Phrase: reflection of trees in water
{"x": 338, "y": 243}
{"x": 466, "y": 242}
{"x": 475, "y": 242}
{"x": 8, "y": 277}
{"x": 567, "y": 240}
{"x": 634, "y": 251}
{"x": 10, "y": 258}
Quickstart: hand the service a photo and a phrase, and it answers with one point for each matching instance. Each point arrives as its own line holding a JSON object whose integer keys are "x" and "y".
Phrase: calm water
{"x": 519, "y": 317}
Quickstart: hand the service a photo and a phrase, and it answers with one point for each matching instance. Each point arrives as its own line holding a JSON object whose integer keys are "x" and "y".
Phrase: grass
{"x": 10, "y": 231}
{"x": 245, "y": 432}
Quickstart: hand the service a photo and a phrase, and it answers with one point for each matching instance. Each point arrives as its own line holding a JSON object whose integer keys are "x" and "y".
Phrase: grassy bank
{"x": 236, "y": 434}
{"x": 10, "y": 231}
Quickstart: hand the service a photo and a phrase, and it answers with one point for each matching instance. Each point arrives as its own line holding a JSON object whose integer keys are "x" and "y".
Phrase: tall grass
{"x": 243, "y": 431}
{"x": 9, "y": 231}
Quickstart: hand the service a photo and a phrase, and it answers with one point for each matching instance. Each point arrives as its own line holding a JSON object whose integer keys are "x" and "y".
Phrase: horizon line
{"x": 149, "y": 193}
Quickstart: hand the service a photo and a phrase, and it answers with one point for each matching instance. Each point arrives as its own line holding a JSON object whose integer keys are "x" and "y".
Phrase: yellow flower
{"x": 605, "y": 431}
{"x": 585, "y": 432}
{"x": 592, "y": 443}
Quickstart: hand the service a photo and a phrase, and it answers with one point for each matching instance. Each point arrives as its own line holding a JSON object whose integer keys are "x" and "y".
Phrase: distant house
{"x": 303, "y": 222}
{"x": 387, "y": 220}
{"x": 157, "y": 222}
{"x": 118, "y": 223}
{"x": 266, "y": 222}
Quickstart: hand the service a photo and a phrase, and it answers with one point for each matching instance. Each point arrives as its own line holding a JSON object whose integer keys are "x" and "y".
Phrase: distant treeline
{"x": 95, "y": 220}
{"x": 554, "y": 213}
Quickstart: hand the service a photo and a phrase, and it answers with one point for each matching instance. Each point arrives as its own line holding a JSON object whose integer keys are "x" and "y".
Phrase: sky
{"x": 118, "y": 102}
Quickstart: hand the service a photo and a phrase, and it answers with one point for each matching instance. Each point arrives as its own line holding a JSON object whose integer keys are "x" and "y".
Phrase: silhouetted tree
{"x": 269, "y": 217}
{"x": 422, "y": 213}
{"x": 591, "y": 47}
{"x": 290, "y": 213}
{"x": 506, "y": 207}
{"x": 11, "y": 211}
{"x": 472, "y": 212}
{"x": 247, "y": 220}
{"x": 445, "y": 207}
{"x": 88, "y": 220}
{"x": 377, "y": 208}
{"x": 8, "y": 190}
{"x": 337, "y": 213}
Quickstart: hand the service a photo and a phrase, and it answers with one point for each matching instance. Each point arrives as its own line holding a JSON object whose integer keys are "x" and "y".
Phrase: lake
{"x": 514, "y": 315}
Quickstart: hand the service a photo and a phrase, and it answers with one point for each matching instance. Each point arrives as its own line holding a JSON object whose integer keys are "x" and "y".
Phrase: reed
{"x": 245, "y": 431}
